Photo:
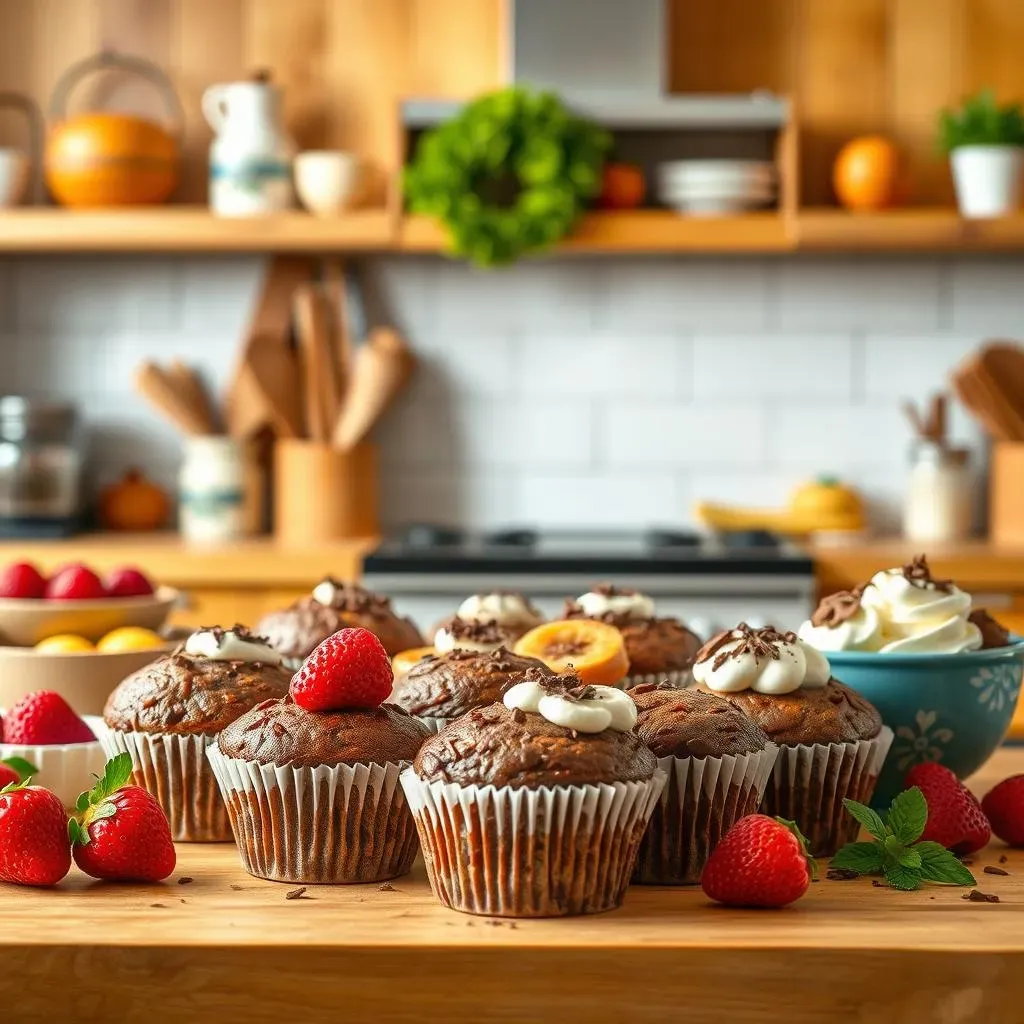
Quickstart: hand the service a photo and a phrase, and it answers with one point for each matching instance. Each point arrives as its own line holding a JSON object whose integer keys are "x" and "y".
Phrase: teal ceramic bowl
{"x": 951, "y": 708}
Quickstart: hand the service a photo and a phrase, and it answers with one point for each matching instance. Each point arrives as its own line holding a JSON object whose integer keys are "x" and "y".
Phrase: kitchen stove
{"x": 709, "y": 581}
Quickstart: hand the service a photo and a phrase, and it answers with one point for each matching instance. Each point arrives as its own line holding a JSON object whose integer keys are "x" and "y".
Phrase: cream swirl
{"x": 326, "y": 592}
{"x": 471, "y": 635}
{"x": 231, "y": 645}
{"x": 763, "y": 660}
{"x": 504, "y": 607}
{"x": 587, "y": 709}
{"x": 842, "y": 623}
{"x": 622, "y": 604}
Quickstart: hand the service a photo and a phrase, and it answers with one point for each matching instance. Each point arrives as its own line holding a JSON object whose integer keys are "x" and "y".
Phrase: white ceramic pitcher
{"x": 251, "y": 156}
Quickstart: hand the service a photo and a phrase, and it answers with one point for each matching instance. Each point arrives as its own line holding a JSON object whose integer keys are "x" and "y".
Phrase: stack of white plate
{"x": 716, "y": 187}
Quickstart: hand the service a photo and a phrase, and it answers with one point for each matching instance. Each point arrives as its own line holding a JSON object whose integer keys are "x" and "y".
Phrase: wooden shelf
{"x": 170, "y": 229}
{"x": 228, "y": 940}
{"x": 638, "y": 231}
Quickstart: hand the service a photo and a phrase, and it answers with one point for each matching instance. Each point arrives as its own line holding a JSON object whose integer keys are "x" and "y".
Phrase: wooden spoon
{"x": 165, "y": 396}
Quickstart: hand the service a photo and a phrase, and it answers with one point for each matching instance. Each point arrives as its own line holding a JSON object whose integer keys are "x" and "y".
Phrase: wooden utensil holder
{"x": 322, "y": 494}
{"x": 1006, "y": 498}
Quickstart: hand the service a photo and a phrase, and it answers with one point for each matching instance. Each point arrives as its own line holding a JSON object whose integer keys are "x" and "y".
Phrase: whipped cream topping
{"x": 236, "y": 644}
{"x": 463, "y": 635}
{"x": 900, "y": 611}
{"x": 616, "y": 602}
{"x": 586, "y": 709}
{"x": 503, "y": 607}
{"x": 349, "y": 597}
{"x": 325, "y": 592}
{"x": 763, "y": 660}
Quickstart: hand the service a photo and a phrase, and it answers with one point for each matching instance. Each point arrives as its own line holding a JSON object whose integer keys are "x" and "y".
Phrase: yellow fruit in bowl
{"x": 64, "y": 643}
{"x": 130, "y": 638}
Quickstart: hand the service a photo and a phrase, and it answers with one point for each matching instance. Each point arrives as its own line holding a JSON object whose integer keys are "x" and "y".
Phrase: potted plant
{"x": 985, "y": 143}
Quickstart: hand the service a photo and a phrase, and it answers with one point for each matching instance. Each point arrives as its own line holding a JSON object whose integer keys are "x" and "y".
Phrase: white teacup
{"x": 327, "y": 180}
{"x": 14, "y": 173}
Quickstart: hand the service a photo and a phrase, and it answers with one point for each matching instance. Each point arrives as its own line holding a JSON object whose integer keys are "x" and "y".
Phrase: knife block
{"x": 1006, "y": 496}
{"x": 322, "y": 494}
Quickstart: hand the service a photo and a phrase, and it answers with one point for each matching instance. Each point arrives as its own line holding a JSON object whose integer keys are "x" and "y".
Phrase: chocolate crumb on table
{"x": 991, "y": 869}
{"x": 238, "y": 888}
{"x": 185, "y": 880}
{"x": 297, "y": 894}
{"x": 1003, "y": 859}
{"x": 877, "y": 884}
{"x": 161, "y": 906}
{"x": 386, "y": 887}
{"x": 976, "y": 896}
{"x": 841, "y": 874}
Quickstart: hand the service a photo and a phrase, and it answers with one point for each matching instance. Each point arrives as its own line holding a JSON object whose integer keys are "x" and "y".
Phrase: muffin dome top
{"x": 280, "y": 732}
{"x": 206, "y": 683}
{"x": 449, "y": 685}
{"x": 506, "y": 745}
{"x": 692, "y": 723}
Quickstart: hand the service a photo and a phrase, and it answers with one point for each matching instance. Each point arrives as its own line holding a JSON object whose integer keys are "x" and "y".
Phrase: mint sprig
{"x": 896, "y": 852}
{"x": 94, "y": 804}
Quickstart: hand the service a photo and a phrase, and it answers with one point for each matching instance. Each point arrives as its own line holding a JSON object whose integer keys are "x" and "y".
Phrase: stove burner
{"x": 661, "y": 538}
{"x": 750, "y": 539}
{"x": 514, "y": 538}
{"x": 427, "y": 536}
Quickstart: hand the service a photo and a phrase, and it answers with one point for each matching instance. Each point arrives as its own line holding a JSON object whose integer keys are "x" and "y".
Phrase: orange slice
{"x": 404, "y": 660}
{"x": 594, "y": 650}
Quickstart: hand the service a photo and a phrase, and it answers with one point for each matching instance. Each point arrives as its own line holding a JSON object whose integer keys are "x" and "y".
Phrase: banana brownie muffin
{"x": 508, "y": 611}
{"x": 659, "y": 649}
{"x": 295, "y": 631}
{"x": 718, "y": 762}
{"x": 511, "y": 801}
{"x": 167, "y": 713}
{"x": 831, "y": 740}
{"x": 441, "y": 687}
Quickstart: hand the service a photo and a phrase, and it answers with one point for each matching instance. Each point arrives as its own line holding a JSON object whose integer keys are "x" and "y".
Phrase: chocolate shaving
{"x": 976, "y": 896}
{"x": 161, "y": 906}
{"x": 841, "y": 874}
{"x": 732, "y": 643}
{"x": 350, "y": 597}
{"x": 917, "y": 574}
{"x": 518, "y": 716}
{"x": 991, "y": 869}
{"x": 386, "y": 887}
{"x": 1003, "y": 859}
{"x": 297, "y": 894}
{"x": 837, "y": 608}
{"x": 480, "y": 632}
{"x": 185, "y": 880}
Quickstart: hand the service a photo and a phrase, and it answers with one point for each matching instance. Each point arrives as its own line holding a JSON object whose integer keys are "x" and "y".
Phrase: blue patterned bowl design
{"x": 951, "y": 708}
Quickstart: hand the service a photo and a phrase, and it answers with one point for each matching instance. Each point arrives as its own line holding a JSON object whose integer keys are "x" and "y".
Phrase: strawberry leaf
{"x": 25, "y": 769}
{"x": 939, "y": 865}
{"x": 903, "y": 878}
{"x": 864, "y": 858}
{"x": 868, "y": 818}
{"x": 82, "y": 803}
{"x": 116, "y": 775}
{"x": 908, "y": 815}
{"x": 76, "y": 833}
{"x": 13, "y": 787}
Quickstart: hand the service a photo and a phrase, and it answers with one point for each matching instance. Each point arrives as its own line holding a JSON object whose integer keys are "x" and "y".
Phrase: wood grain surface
{"x": 230, "y": 947}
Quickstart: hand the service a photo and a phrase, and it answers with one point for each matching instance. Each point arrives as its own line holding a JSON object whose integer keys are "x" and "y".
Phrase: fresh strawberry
{"x": 22, "y": 580}
{"x": 955, "y": 818}
{"x": 16, "y": 769}
{"x": 74, "y": 583}
{"x": 42, "y": 719}
{"x": 760, "y": 862}
{"x": 1004, "y": 807}
{"x": 34, "y": 847}
{"x": 348, "y": 670}
{"x": 120, "y": 833}
{"x": 128, "y": 582}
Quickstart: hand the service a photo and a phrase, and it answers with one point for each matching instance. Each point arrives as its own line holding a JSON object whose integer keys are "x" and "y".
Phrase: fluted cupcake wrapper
{"x": 703, "y": 799}
{"x": 434, "y": 724}
{"x": 175, "y": 771}
{"x": 810, "y": 781}
{"x": 520, "y": 852}
{"x": 326, "y": 825}
{"x": 679, "y": 678}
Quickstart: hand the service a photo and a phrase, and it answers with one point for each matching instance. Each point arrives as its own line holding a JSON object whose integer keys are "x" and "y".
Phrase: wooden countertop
{"x": 228, "y": 946}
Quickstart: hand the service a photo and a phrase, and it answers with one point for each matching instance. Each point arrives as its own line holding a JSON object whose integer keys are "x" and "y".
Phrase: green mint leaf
{"x": 25, "y": 769}
{"x": 867, "y": 818}
{"x": 908, "y": 815}
{"x": 909, "y": 859}
{"x": 812, "y": 864}
{"x": 892, "y": 851}
{"x": 939, "y": 865}
{"x": 906, "y": 879}
{"x": 864, "y": 858}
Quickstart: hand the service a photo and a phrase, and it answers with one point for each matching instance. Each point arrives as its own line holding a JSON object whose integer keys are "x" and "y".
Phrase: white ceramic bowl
{"x": 327, "y": 181}
{"x": 24, "y": 622}
{"x": 66, "y": 770}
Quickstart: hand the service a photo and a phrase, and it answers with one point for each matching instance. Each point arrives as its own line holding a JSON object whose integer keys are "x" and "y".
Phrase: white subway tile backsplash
{"x": 481, "y": 501}
{"x": 828, "y": 438}
{"x": 219, "y": 293}
{"x": 987, "y": 294}
{"x": 769, "y": 367}
{"x": 833, "y": 295}
{"x": 757, "y": 488}
{"x": 912, "y": 365}
{"x": 467, "y": 361}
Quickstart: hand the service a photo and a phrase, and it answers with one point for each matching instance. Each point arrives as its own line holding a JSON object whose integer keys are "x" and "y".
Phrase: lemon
{"x": 129, "y": 638}
{"x": 64, "y": 643}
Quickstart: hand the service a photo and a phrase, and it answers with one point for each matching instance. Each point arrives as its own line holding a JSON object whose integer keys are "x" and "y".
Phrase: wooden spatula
{"x": 165, "y": 396}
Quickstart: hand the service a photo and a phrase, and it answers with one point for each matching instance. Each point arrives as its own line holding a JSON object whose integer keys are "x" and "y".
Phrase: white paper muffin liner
{"x": 324, "y": 825}
{"x": 174, "y": 769}
{"x": 434, "y": 724}
{"x": 703, "y": 799}
{"x": 809, "y": 782}
{"x": 522, "y": 852}
{"x": 679, "y": 678}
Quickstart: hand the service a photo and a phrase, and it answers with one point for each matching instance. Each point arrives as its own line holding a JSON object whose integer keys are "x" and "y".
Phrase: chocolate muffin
{"x": 441, "y": 687}
{"x": 509, "y": 806}
{"x": 167, "y": 713}
{"x": 993, "y": 633}
{"x": 718, "y": 762}
{"x": 314, "y": 796}
{"x": 832, "y": 742}
{"x": 658, "y": 648}
{"x": 295, "y": 631}
{"x": 510, "y": 611}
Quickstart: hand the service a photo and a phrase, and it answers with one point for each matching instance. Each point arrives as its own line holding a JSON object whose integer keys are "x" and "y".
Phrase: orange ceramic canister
{"x": 110, "y": 159}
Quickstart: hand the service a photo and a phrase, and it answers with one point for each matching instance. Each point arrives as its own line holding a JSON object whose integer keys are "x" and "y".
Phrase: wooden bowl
{"x": 24, "y": 622}
{"x": 84, "y": 679}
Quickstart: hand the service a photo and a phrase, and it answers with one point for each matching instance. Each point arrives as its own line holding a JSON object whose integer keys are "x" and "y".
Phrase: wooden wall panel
{"x": 994, "y": 50}
{"x": 457, "y": 46}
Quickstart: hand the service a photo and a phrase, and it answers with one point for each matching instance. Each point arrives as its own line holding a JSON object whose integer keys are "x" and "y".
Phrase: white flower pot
{"x": 987, "y": 179}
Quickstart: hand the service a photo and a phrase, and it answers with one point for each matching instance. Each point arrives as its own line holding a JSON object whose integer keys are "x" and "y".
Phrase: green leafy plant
{"x": 895, "y": 851}
{"x": 981, "y": 121}
{"x": 509, "y": 174}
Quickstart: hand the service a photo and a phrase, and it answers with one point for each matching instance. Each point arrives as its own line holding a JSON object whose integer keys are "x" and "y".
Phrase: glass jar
{"x": 938, "y": 502}
{"x": 211, "y": 491}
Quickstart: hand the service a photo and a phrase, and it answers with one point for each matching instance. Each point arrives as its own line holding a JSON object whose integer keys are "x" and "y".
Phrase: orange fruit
{"x": 594, "y": 650}
{"x": 867, "y": 174}
{"x": 404, "y": 660}
{"x": 622, "y": 187}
